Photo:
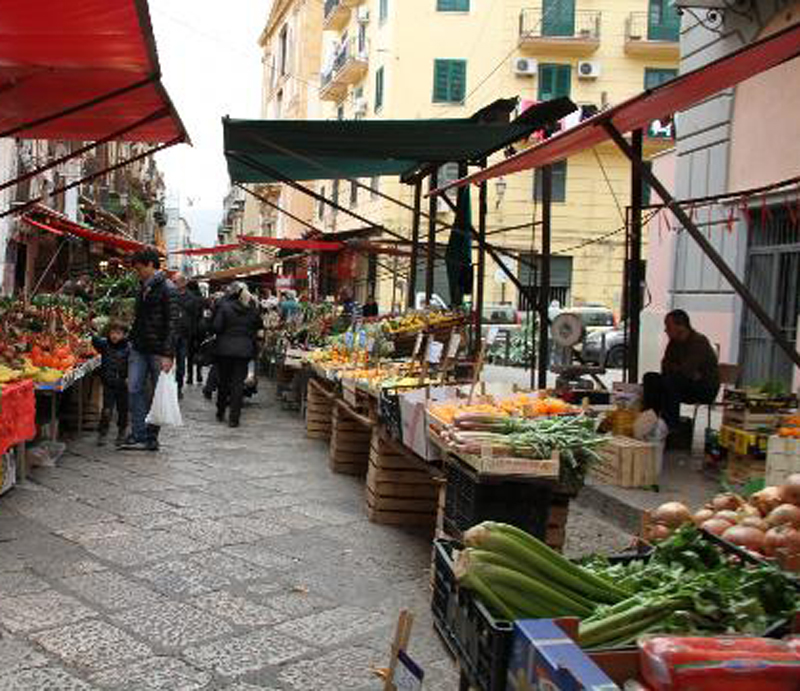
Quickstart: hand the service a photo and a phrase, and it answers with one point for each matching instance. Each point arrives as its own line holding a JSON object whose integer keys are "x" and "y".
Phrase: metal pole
{"x": 415, "y": 224}
{"x": 758, "y": 311}
{"x": 433, "y": 183}
{"x": 480, "y": 288}
{"x": 635, "y": 272}
{"x": 544, "y": 283}
{"x": 272, "y": 205}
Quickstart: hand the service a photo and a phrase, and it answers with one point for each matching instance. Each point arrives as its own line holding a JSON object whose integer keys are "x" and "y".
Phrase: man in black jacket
{"x": 188, "y": 321}
{"x": 152, "y": 345}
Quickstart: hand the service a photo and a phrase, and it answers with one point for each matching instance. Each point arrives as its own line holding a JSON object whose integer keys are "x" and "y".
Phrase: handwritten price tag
{"x": 417, "y": 346}
{"x": 435, "y": 350}
{"x": 452, "y": 347}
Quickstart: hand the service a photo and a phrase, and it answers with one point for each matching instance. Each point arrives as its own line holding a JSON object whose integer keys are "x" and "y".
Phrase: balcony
{"x": 572, "y": 32}
{"x": 337, "y": 15}
{"x": 350, "y": 65}
{"x": 647, "y": 39}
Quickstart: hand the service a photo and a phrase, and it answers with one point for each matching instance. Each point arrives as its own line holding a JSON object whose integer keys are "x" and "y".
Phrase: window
{"x": 353, "y": 194}
{"x": 663, "y": 21}
{"x": 656, "y": 76}
{"x": 379, "y": 89}
{"x": 340, "y": 112}
{"x": 558, "y": 18}
{"x": 449, "y": 81}
{"x": 452, "y": 5}
{"x": 383, "y": 11}
{"x": 283, "y": 40}
{"x": 335, "y": 193}
{"x": 374, "y": 184}
{"x": 555, "y": 81}
{"x": 362, "y": 39}
{"x": 529, "y": 274}
{"x": 559, "y": 182}
{"x": 321, "y": 207}
{"x": 447, "y": 173}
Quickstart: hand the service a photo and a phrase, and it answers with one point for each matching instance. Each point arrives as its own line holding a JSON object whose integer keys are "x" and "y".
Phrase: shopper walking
{"x": 114, "y": 352}
{"x": 236, "y": 323}
{"x": 191, "y": 356}
{"x": 152, "y": 345}
{"x": 188, "y": 322}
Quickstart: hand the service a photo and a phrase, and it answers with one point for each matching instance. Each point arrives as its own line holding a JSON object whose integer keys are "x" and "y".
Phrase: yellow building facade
{"x": 418, "y": 59}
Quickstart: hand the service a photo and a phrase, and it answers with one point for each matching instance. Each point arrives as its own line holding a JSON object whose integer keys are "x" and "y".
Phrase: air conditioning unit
{"x": 525, "y": 67}
{"x": 363, "y": 15}
{"x": 361, "y": 106}
{"x": 588, "y": 69}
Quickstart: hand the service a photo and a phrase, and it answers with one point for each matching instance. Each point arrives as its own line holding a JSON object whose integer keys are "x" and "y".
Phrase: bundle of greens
{"x": 688, "y": 585}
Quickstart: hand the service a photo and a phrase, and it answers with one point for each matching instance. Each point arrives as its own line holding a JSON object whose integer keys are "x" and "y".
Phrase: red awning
{"x": 56, "y": 55}
{"x": 638, "y": 112}
{"x": 319, "y": 245}
{"x": 53, "y": 222}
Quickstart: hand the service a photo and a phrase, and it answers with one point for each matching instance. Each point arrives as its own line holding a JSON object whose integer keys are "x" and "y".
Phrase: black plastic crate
{"x": 480, "y": 642}
{"x": 469, "y": 502}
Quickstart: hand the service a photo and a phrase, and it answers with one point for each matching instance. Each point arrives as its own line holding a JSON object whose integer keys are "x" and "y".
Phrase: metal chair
{"x": 728, "y": 376}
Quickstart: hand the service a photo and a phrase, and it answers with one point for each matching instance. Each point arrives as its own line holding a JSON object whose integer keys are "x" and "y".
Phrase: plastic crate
{"x": 523, "y": 504}
{"x": 480, "y": 643}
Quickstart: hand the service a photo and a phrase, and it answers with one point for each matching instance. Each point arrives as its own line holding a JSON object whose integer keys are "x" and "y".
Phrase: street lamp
{"x": 500, "y": 187}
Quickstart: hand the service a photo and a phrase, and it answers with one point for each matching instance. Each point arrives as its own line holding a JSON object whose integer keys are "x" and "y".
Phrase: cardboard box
{"x": 543, "y": 656}
{"x": 414, "y": 419}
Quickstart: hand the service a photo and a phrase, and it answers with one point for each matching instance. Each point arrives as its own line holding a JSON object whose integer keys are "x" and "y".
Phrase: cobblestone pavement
{"x": 233, "y": 559}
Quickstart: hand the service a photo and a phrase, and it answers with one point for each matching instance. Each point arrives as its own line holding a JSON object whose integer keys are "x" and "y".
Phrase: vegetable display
{"x": 767, "y": 524}
{"x": 688, "y": 585}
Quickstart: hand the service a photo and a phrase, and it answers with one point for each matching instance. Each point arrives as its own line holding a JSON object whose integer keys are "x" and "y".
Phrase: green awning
{"x": 264, "y": 150}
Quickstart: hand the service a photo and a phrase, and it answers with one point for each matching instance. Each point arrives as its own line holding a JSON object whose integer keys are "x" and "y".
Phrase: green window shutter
{"x": 452, "y": 5}
{"x": 558, "y": 18}
{"x": 449, "y": 81}
{"x": 656, "y": 76}
{"x": 379, "y": 89}
{"x": 559, "y": 182}
{"x": 383, "y": 10}
{"x": 555, "y": 81}
{"x": 663, "y": 21}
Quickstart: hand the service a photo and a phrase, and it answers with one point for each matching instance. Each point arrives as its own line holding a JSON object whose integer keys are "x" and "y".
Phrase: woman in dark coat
{"x": 236, "y": 323}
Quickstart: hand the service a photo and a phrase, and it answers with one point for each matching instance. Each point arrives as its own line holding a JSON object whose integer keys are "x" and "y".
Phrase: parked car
{"x": 611, "y": 353}
{"x": 504, "y": 316}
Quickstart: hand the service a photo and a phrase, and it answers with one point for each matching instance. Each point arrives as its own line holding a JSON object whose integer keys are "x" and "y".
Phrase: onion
{"x": 785, "y": 513}
{"x": 790, "y": 562}
{"x": 702, "y": 516}
{"x": 673, "y": 514}
{"x": 754, "y": 522}
{"x": 749, "y": 510}
{"x": 726, "y": 502}
{"x": 791, "y": 489}
{"x": 730, "y": 516}
{"x": 744, "y": 536}
{"x": 767, "y": 499}
{"x": 716, "y": 526}
{"x": 774, "y": 539}
{"x": 659, "y": 532}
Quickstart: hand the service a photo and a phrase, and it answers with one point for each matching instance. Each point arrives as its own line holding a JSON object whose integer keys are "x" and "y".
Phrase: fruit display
{"x": 790, "y": 427}
{"x": 767, "y": 524}
{"x": 526, "y": 405}
{"x": 414, "y": 321}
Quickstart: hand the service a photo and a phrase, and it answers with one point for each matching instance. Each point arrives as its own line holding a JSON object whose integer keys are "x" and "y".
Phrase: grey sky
{"x": 211, "y": 67}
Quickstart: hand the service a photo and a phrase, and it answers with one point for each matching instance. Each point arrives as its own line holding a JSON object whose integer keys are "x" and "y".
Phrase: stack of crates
{"x": 783, "y": 459}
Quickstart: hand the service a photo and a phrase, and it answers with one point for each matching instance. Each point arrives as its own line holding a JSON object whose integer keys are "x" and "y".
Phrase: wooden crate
{"x": 748, "y": 420}
{"x": 350, "y": 444}
{"x": 319, "y": 412}
{"x": 627, "y": 462}
{"x": 742, "y": 468}
{"x": 400, "y": 491}
{"x": 92, "y": 404}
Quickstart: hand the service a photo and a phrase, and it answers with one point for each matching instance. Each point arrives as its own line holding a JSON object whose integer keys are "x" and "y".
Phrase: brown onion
{"x": 791, "y": 489}
{"x": 745, "y": 536}
{"x": 790, "y": 562}
{"x": 659, "y": 532}
{"x": 730, "y": 516}
{"x": 749, "y": 510}
{"x": 726, "y": 502}
{"x": 784, "y": 514}
{"x": 767, "y": 499}
{"x": 702, "y": 516}
{"x": 774, "y": 539}
{"x": 716, "y": 526}
{"x": 673, "y": 514}
{"x": 754, "y": 522}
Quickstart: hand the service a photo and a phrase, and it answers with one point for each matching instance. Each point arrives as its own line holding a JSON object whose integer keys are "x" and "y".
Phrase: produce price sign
{"x": 435, "y": 350}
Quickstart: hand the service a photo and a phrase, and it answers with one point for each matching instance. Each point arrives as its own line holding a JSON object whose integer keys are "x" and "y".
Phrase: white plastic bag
{"x": 165, "y": 409}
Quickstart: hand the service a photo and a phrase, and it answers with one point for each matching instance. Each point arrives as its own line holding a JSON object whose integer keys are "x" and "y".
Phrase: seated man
{"x": 689, "y": 371}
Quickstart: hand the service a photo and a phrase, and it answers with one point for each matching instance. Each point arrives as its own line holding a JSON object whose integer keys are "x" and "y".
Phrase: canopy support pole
{"x": 479, "y": 289}
{"x": 80, "y": 106}
{"x": 433, "y": 182}
{"x": 741, "y": 289}
{"x": 415, "y": 224}
{"x": 544, "y": 281}
{"x": 634, "y": 272}
{"x": 60, "y": 190}
{"x": 277, "y": 207}
{"x": 157, "y": 115}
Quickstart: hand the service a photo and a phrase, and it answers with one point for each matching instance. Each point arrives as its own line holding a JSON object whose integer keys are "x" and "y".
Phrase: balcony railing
{"x": 349, "y": 66}
{"x": 646, "y": 37}
{"x": 336, "y": 14}
{"x": 575, "y": 30}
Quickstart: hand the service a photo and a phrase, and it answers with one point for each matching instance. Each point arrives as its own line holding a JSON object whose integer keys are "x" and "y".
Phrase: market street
{"x": 232, "y": 559}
